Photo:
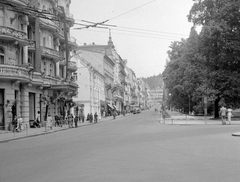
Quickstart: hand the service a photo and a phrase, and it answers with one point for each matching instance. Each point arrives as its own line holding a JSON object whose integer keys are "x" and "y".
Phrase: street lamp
{"x": 164, "y": 100}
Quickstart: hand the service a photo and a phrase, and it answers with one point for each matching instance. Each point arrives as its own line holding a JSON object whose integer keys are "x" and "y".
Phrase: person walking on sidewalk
{"x": 222, "y": 114}
{"x": 76, "y": 121}
{"x": 99, "y": 117}
{"x": 95, "y": 117}
{"x": 49, "y": 122}
{"x": 229, "y": 114}
{"x": 91, "y": 118}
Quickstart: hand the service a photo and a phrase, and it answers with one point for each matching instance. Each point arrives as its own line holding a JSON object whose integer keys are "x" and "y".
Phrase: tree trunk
{"x": 216, "y": 108}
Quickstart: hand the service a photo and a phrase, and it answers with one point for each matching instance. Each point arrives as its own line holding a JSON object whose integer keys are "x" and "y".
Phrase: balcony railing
{"x": 14, "y": 71}
{"x": 73, "y": 41}
{"x": 72, "y": 65}
{"x": 49, "y": 23}
{"x": 69, "y": 16}
{"x": 12, "y": 32}
{"x": 32, "y": 44}
{"x": 52, "y": 53}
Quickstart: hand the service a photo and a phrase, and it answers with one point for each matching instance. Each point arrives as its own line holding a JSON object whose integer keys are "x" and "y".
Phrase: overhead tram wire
{"x": 103, "y": 22}
{"x": 138, "y": 30}
{"x": 131, "y": 10}
{"x": 163, "y": 37}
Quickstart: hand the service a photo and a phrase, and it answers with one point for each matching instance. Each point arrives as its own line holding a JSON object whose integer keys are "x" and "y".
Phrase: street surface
{"x": 135, "y": 148}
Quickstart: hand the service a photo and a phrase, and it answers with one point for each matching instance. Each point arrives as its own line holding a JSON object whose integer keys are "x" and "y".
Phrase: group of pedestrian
{"x": 94, "y": 118}
{"x": 226, "y": 114}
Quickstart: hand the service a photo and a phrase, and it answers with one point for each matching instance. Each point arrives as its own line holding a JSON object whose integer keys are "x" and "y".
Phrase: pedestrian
{"x": 38, "y": 120}
{"x": 99, "y": 117}
{"x": 91, "y": 118}
{"x": 14, "y": 124}
{"x": 229, "y": 114}
{"x": 114, "y": 114}
{"x": 57, "y": 119}
{"x": 222, "y": 114}
{"x": 95, "y": 117}
{"x": 19, "y": 124}
{"x": 83, "y": 118}
{"x": 76, "y": 121}
{"x": 88, "y": 117}
{"x": 104, "y": 114}
{"x": 70, "y": 121}
{"x": 49, "y": 122}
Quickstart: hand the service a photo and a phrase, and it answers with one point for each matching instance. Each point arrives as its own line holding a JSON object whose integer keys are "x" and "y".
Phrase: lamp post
{"x": 164, "y": 100}
{"x": 189, "y": 104}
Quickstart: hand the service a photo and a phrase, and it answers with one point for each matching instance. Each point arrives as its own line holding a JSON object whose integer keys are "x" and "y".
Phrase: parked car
{"x": 136, "y": 111}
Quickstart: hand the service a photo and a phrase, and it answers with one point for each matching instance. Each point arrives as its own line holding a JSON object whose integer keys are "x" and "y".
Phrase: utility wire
{"x": 143, "y": 36}
{"x": 146, "y": 30}
{"x": 131, "y": 10}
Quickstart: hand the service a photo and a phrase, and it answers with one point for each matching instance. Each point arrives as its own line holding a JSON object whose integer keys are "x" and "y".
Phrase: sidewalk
{"x": 6, "y": 136}
{"x": 183, "y": 119}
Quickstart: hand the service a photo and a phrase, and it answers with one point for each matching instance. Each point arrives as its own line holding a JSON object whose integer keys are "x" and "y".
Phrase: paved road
{"x": 134, "y": 148}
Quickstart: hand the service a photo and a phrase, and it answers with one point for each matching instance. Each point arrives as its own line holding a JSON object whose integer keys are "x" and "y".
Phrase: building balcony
{"x": 73, "y": 42}
{"x": 63, "y": 85}
{"x": 49, "y": 24}
{"x": 50, "y": 53}
{"x": 14, "y": 72}
{"x": 72, "y": 66}
{"x": 10, "y": 34}
{"x": 69, "y": 18}
{"x": 62, "y": 62}
{"x": 32, "y": 45}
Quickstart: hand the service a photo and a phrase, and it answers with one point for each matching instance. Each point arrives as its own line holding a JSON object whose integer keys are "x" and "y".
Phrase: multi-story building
{"x": 35, "y": 73}
{"x": 90, "y": 78}
{"x": 106, "y": 58}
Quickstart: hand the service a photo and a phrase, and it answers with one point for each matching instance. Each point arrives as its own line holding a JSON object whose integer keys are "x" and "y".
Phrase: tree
{"x": 185, "y": 72}
{"x": 219, "y": 45}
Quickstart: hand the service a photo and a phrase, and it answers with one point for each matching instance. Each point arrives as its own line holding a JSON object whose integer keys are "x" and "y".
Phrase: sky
{"x": 143, "y": 29}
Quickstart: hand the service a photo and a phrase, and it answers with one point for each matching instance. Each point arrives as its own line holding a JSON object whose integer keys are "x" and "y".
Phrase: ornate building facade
{"x": 35, "y": 71}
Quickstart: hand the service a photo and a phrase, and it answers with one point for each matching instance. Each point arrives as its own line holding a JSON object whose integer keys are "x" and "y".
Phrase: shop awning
{"x": 110, "y": 106}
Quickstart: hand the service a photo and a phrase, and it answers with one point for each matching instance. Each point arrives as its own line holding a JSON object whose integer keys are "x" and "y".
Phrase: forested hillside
{"x": 154, "y": 81}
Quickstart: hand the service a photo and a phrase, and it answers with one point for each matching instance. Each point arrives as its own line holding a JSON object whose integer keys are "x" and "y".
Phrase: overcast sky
{"x": 144, "y": 32}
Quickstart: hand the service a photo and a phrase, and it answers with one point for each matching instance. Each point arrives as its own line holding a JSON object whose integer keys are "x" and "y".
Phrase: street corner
{"x": 237, "y": 134}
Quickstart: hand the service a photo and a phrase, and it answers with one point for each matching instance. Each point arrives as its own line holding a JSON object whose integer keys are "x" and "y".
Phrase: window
{"x": 74, "y": 76}
{"x": 1, "y": 55}
{"x": 1, "y": 17}
{"x": 44, "y": 68}
{"x": 50, "y": 69}
{"x": 44, "y": 41}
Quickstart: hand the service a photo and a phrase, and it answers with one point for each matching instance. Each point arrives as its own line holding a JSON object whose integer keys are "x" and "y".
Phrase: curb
{"x": 236, "y": 134}
{"x": 53, "y": 131}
